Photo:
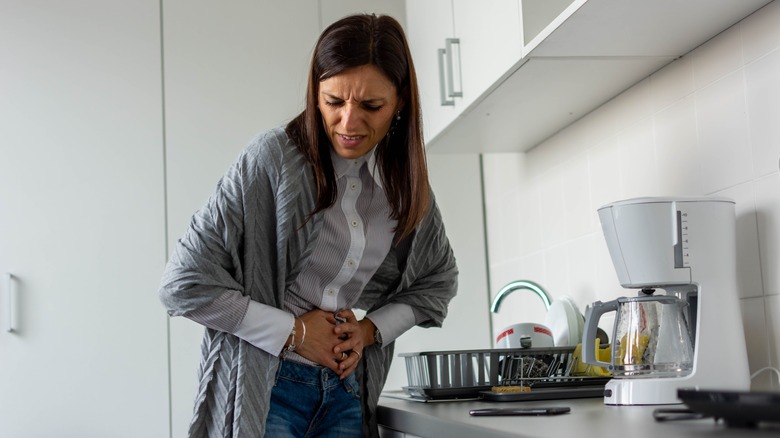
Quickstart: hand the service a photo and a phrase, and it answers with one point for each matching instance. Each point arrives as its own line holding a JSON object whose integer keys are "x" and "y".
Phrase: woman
{"x": 332, "y": 213}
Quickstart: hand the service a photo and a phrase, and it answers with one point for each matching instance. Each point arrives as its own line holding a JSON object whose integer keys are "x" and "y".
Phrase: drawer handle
{"x": 451, "y": 91}
{"x": 11, "y": 301}
{"x": 442, "y": 80}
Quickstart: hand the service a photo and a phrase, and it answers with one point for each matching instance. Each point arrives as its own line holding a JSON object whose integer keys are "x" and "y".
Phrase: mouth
{"x": 351, "y": 141}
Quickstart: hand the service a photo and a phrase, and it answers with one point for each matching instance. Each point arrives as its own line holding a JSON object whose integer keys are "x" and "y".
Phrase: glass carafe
{"x": 651, "y": 336}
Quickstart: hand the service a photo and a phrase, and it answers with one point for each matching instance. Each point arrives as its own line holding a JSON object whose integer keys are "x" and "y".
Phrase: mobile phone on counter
{"x": 518, "y": 411}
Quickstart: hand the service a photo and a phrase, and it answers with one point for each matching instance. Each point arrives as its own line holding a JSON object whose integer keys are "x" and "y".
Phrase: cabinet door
{"x": 428, "y": 24}
{"x": 82, "y": 220}
{"x": 491, "y": 42}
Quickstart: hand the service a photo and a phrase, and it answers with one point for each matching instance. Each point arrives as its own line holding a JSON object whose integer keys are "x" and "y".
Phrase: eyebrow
{"x": 370, "y": 100}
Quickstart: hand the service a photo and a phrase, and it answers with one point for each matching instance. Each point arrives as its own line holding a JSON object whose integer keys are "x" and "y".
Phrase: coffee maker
{"x": 683, "y": 248}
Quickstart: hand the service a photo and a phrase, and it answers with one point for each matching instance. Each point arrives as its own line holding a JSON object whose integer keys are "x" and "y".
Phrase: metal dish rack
{"x": 463, "y": 374}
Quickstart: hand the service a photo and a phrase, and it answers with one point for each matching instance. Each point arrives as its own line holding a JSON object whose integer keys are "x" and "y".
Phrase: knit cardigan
{"x": 253, "y": 235}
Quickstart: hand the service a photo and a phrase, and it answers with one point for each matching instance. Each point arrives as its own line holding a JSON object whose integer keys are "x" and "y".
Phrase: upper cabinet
{"x": 460, "y": 48}
{"x": 529, "y": 73}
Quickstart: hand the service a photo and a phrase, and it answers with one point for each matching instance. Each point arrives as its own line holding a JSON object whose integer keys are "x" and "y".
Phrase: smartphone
{"x": 519, "y": 411}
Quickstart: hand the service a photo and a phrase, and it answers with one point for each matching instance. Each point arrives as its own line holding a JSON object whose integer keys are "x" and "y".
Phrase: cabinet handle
{"x": 451, "y": 91}
{"x": 442, "y": 80}
{"x": 11, "y": 301}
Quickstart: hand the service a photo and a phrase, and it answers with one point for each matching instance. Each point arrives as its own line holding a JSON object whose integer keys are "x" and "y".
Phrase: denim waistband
{"x": 319, "y": 376}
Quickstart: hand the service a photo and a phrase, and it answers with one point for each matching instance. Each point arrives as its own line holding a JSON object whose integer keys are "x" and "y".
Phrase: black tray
{"x": 471, "y": 392}
{"x": 548, "y": 389}
{"x": 543, "y": 394}
{"x": 586, "y": 387}
{"x": 736, "y": 408}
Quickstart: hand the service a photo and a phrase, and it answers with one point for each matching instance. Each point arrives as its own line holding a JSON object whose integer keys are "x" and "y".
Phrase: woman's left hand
{"x": 353, "y": 333}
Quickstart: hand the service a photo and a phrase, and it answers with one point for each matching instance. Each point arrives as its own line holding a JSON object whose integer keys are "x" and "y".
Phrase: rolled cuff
{"x": 392, "y": 321}
{"x": 265, "y": 327}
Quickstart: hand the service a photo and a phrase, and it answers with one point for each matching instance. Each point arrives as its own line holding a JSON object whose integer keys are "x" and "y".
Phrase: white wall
{"x": 707, "y": 124}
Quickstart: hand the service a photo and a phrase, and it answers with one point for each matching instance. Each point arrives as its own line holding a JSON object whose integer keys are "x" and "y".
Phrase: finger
{"x": 349, "y": 315}
{"x": 348, "y": 366}
{"x": 350, "y": 343}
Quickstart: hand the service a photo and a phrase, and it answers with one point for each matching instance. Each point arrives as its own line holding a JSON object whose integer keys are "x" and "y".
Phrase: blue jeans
{"x": 309, "y": 401}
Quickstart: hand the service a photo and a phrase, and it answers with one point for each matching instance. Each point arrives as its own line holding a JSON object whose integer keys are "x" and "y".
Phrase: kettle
{"x": 651, "y": 336}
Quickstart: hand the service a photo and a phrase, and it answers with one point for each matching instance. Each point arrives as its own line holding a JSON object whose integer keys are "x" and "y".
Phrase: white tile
{"x": 553, "y": 227}
{"x": 724, "y": 140}
{"x": 773, "y": 334}
{"x": 607, "y": 285}
{"x": 493, "y": 220}
{"x": 760, "y": 32}
{"x": 502, "y": 172}
{"x": 510, "y": 225}
{"x": 718, "y": 57}
{"x": 749, "y": 279}
{"x": 677, "y": 149}
{"x": 556, "y": 270}
{"x": 757, "y": 345}
{"x": 768, "y": 214}
{"x": 604, "y": 173}
{"x": 529, "y": 220}
{"x": 638, "y": 169}
{"x": 582, "y": 268}
{"x": 576, "y": 197}
{"x": 672, "y": 83}
{"x": 532, "y": 268}
{"x": 763, "y": 105}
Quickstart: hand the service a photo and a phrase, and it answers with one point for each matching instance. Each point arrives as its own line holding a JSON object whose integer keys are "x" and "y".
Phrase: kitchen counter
{"x": 589, "y": 417}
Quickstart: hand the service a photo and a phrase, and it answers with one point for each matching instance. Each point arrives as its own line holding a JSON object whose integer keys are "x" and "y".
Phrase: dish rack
{"x": 464, "y": 373}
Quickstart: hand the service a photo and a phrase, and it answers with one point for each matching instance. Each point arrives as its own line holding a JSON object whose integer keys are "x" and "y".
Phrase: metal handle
{"x": 451, "y": 91}
{"x": 11, "y": 300}
{"x": 442, "y": 80}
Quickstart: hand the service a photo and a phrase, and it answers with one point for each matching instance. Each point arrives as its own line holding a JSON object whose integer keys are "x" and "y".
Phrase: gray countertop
{"x": 589, "y": 417}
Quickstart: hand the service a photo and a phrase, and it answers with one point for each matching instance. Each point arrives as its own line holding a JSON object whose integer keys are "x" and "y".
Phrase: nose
{"x": 350, "y": 117}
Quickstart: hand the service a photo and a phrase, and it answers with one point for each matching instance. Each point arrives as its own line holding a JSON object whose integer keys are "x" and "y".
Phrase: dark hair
{"x": 355, "y": 41}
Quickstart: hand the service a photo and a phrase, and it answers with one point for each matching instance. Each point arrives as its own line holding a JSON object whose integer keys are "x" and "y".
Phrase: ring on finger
{"x": 344, "y": 355}
{"x": 358, "y": 353}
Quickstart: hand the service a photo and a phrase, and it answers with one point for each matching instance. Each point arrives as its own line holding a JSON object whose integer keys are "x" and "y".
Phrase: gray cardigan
{"x": 253, "y": 236}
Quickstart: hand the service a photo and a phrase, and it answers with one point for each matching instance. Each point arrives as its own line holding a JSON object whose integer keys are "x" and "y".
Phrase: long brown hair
{"x": 379, "y": 41}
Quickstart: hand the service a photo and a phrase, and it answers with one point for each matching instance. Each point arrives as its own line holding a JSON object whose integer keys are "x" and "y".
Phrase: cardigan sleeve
{"x": 208, "y": 261}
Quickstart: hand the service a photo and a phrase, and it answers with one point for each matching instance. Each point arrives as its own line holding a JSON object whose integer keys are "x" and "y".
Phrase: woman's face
{"x": 357, "y": 107}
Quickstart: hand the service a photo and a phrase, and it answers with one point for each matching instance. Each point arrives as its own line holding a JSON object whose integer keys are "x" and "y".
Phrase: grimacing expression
{"x": 357, "y": 107}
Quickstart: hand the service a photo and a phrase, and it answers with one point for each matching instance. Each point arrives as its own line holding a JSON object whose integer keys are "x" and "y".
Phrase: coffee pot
{"x": 651, "y": 335}
{"x": 688, "y": 331}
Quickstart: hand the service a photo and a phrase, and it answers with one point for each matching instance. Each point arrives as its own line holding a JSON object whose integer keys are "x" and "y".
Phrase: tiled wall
{"x": 707, "y": 124}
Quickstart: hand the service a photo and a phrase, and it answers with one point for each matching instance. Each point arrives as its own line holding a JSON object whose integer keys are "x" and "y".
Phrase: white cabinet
{"x": 82, "y": 220}
{"x": 429, "y": 24}
{"x": 588, "y": 53}
{"x": 462, "y": 46}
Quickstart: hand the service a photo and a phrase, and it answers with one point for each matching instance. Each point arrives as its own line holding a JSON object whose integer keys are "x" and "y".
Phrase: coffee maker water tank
{"x": 649, "y": 239}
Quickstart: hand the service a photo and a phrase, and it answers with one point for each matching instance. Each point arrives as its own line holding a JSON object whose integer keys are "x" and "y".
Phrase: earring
{"x": 394, "y": 125}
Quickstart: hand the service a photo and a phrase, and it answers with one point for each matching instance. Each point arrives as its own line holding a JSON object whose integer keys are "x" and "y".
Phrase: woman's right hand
{"x": 320, "y": 338}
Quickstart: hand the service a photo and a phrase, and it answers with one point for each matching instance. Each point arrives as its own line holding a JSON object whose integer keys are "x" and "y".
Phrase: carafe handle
{"x": 591, "y": 328}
